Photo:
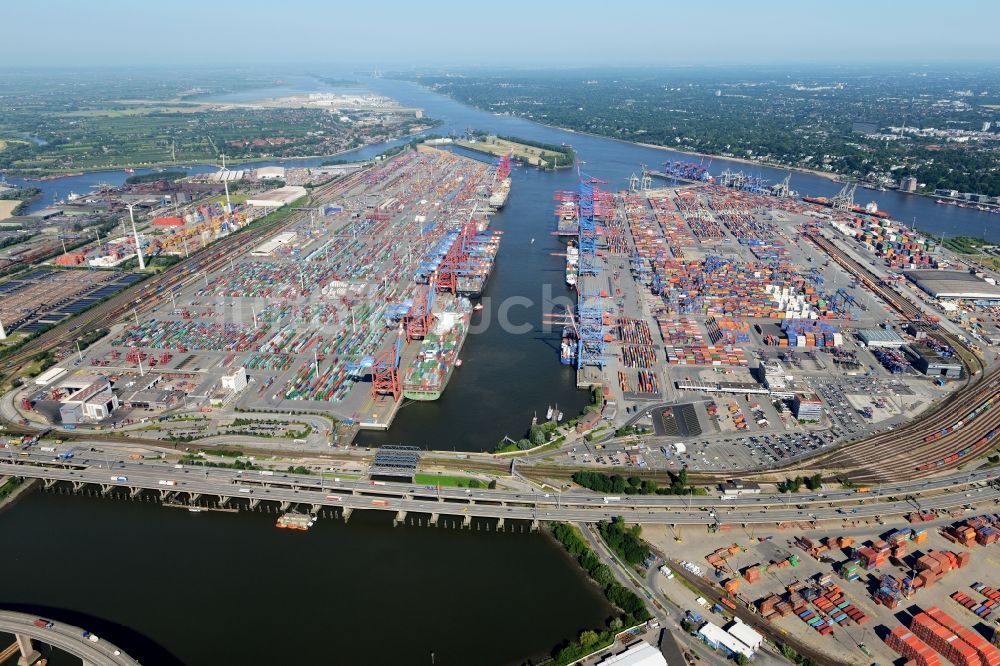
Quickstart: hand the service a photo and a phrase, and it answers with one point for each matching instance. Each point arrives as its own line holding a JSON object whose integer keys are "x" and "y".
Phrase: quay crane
{"x": 385, "y": 370}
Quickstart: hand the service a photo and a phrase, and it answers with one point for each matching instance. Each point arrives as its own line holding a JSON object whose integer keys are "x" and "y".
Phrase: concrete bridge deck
{"x": 66, "y": 637}
{"x": 279, "y": 488}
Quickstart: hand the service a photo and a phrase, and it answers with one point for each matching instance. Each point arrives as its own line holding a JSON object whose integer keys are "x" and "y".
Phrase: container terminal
{"x": 365, "y": 298}
{"x": 738, "y": 327}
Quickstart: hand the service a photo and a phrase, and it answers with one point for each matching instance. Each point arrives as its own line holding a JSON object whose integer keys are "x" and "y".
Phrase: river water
{"x": 174, "y": 587}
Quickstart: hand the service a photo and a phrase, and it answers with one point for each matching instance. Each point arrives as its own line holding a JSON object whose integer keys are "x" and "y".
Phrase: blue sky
{"x": 393, "y": 33}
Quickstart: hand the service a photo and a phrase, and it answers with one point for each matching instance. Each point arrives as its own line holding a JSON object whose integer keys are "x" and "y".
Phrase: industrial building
{"x": 740, "y": 487}
{"x": 50, "y": 375}
{"x": 277, "y": 198}
{"x": 270, "y": 173}
{"x": 880, "y": 337}
{"x": 638, "y": 654}
{"x": 745, "y": 634}
{"x": 267, "y": 248}
{"x": 720, "y": 639}
{"x": 807, "y": 407}
{"x": 907, "y": 184}
{"x": 235, "y": 382}
{"x": 932, "y": 363}
{"x": 959, "y": 285}
{"x": 93, "y": 402}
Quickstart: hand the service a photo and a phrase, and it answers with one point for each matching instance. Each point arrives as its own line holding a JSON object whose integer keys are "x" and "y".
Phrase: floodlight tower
{"x": 138, "y": 248}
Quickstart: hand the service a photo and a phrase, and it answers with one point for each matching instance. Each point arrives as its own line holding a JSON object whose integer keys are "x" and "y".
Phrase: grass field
{"x": 7, "y": 207}
{"x": 135, "y": 111}
{"x": 499, "y": 147}
{"x": 233, "y": 199}
{"x": 444, "y": 480}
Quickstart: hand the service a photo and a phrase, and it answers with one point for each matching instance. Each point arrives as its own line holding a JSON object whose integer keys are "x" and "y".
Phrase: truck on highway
{"x": 167, "y": 482}
{"x": 266, "y": 473}
{"x": 44, "y": 624}
{"x": 66, "y": 455}
{"x": 612, "y": 499}
{"x": 376, "y": 502}
{"x": 48, "y": 449}
{"x": 333, "y": 498}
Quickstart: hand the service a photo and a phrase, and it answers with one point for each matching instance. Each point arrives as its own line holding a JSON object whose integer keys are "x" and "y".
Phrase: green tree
{"x": 588, "y": 638}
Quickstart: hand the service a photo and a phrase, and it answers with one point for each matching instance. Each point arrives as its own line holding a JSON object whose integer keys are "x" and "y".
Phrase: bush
{"x": 624, "y": 541}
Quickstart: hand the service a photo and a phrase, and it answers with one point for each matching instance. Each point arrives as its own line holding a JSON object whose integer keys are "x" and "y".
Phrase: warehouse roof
{"x": 746, "y": 635}
{"x": 719, "y": 636}
{"x": 886, "y": 336}
{"x": 277, "y": 197}
{"x": 953, "y": 284}
{"x": 640, "y": 654}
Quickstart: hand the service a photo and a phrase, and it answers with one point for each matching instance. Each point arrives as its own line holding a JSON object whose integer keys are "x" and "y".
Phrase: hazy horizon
{"x": 397, "y": 35}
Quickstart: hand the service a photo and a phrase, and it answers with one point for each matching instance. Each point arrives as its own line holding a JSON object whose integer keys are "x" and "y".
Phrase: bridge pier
{"x": 347, "y": 513}
{"x": 224, "y": 500}
{"x": 29, "y": 654}
{"x": 400, "y": 517}
{"x": 534, "y": 525}
{"x": 435, "y": 518}
{"x": 193, "y": 497}
{"x": 500, "y": 524}
{"x": 106, "y": 488}
{"x": 467, "y": 521}
{"x": 134, "y": 492}
{"x": 254, "y": 502}
{"x": 285, "y": 506}
{"x": 78, "y": 485}
{"x": 48, "y": 483}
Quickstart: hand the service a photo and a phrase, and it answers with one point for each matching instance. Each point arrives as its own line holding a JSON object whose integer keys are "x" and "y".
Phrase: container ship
{"x": 567, "y": 223}
{"x": 572, "y": 264}
{"x": 427, "y": 375}
{"x": 501, "y": 183}
{"x": 870, "y": 209}
{"x": 499, "y": 196}
{"x": 478, "y": 256}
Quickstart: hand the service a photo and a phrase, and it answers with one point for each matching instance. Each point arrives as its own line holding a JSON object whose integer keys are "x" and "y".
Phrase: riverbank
{"x": 42, "y": 176}
{"x": 834, "y": 177}
{"x": 10, "y": 495}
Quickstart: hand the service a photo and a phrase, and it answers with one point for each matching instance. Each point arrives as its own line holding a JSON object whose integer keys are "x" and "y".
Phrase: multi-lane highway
{"x": 66, "y": 637}
{"x": 317, "y": 491}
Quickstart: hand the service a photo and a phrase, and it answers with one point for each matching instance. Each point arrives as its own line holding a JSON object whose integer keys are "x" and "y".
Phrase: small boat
{"x": 195, "y": 509}
{"x": 559, "y": 417}
{"x": 532, "y": 240}
{"x": 548, "y": 414}
{"x": 458, "y": 363}
{"x": 477, "y": 307}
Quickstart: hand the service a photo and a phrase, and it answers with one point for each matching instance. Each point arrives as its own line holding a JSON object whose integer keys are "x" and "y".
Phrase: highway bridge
{"x": 90, "y": 649}
{"x": 191, "y": 483}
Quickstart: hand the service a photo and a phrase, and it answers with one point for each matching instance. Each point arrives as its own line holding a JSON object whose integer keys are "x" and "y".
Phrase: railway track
{"x": 148, "y": 294}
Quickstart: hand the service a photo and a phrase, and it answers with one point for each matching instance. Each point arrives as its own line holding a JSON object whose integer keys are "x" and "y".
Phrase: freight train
{"x": 981, "y": 409}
